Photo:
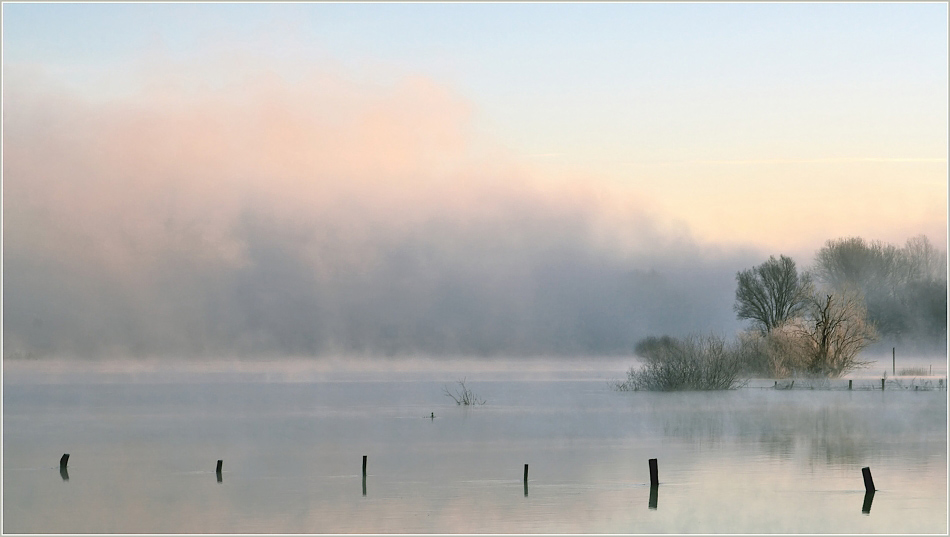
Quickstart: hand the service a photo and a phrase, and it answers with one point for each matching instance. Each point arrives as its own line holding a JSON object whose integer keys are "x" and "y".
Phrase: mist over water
{"x": 143, "y": 442}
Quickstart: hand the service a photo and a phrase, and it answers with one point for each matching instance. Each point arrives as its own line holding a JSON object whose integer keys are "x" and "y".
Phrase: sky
{"x": 472, "y": 178}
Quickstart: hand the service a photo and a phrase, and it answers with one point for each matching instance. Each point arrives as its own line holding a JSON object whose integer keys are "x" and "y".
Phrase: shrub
{"x": 695, "y": 363}
{"x": 780, "y": 353}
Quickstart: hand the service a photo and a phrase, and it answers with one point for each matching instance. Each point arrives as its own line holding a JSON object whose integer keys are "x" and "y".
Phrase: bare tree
{"x": 463, "y": 395}
{"x": 833, "y": 332}
{"x": 772, "y": 293}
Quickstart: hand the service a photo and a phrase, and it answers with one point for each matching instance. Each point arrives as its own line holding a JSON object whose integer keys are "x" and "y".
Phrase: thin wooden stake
{"x": 868, "y": 482}
{"x": 849, "y": 383}
{"x": 525, "y": 479}
{"x": 654, "y": 474}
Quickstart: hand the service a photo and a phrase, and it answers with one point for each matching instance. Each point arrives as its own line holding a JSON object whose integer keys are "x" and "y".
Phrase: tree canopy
{"x": 904, "y": 288}
{"x": 771, "y": 293}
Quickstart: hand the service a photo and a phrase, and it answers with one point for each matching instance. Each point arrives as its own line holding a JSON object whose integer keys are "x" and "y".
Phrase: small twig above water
{"x": 462, "y": 395}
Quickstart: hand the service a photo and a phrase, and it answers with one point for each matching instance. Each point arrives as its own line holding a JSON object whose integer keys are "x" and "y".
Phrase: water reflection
{"x": 453, "y": 476}
{"x": 829, "y": 427}
{"x": 868, "y": 498}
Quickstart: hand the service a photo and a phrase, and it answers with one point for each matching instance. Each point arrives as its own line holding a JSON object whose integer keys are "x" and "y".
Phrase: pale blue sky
{"x": 608, "y": 90}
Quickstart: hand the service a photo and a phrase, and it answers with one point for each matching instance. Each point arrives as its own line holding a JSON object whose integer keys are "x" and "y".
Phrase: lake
{"x": 144, "y": 437}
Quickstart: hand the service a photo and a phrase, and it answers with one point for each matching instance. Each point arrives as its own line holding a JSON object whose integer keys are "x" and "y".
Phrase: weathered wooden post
{"x": 868, "y": 482}
{"x": 525, "y": 479}
{"x": 849, "y": 383}
{"x": 654, "y": 474}
{"x": 63, "y": 461}
{"x": 364, "y": 475}
{"x": 893, "y": 360}
{"x": 62, "y": 467}
{"x": 882, "y": 385}
{"x": 217, "y": 470}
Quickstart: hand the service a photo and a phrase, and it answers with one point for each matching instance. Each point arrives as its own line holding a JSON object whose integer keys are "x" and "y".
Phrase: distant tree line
{"x": 904, "y": 289}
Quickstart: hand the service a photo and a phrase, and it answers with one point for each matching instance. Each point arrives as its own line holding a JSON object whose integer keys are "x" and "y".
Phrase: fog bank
{"x": 323, "y": 217}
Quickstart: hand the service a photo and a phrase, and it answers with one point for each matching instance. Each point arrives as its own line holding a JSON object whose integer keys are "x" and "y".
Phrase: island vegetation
{"x": 811, "y": 324}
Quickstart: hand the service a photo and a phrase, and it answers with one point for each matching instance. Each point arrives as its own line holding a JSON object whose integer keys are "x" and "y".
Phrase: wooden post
{"x": 893, "y": 360}
{"x": 62, "y": 467}
{"x": 364, "y": 475}
{"x": 217, "y": 470}
{"x": 654, "y": 474}
{"x": 882, "y": 385}
{"x": 849, "y": 383}
{"x": 526, "y": 479}
{"x": 868, "y": 482}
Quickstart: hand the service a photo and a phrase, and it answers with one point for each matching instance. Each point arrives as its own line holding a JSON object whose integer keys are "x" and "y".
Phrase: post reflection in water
{"x": 364, "y": 485}
{"x": 868, "y": 498}
{"x": 63, "y": 473}
{"x": 654, "y": 490}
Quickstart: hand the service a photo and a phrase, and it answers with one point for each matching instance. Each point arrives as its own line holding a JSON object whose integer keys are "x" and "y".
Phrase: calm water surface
{"x": 143, "y": 442}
